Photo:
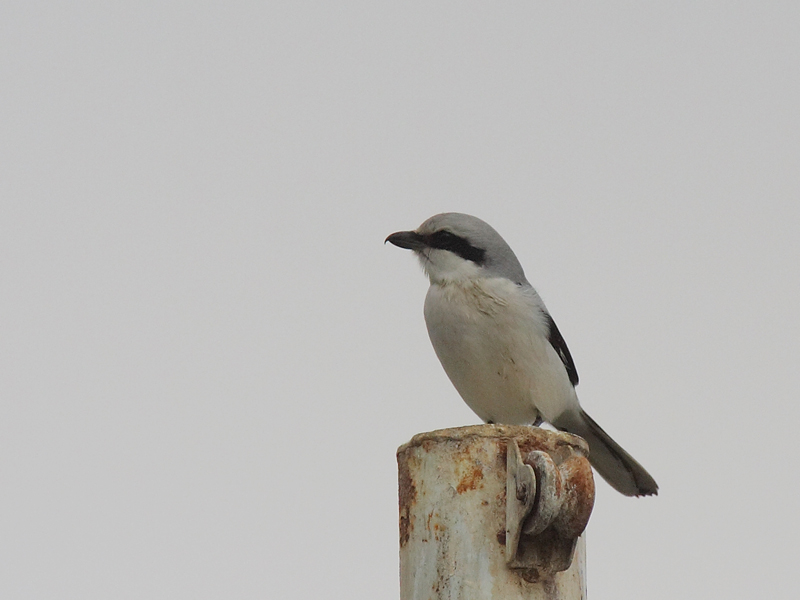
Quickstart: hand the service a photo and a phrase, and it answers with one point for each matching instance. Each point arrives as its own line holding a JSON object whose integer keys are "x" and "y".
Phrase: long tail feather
{"x": 615, "y": 465}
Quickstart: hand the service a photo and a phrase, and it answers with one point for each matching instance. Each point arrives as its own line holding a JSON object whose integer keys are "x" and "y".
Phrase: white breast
{"x": 491, "y": 338}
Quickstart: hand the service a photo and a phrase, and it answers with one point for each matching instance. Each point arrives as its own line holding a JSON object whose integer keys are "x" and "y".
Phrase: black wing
{"x": 560, "y": 346}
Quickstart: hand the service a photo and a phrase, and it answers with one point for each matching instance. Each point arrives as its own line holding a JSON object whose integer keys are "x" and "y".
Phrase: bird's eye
{"x": 444, "y": 237}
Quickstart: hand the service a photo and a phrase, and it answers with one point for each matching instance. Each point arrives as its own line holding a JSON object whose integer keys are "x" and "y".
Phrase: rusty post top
{"x": 528, "y": 437}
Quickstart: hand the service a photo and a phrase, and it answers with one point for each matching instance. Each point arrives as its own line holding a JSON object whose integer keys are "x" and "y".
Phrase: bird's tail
{"x": 615, "y": 465}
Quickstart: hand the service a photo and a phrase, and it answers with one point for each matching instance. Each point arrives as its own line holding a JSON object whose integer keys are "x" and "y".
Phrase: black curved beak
{"x": 410, "y": 240}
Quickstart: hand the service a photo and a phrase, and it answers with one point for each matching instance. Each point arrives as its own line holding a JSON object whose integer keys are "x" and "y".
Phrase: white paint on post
{"x": 453, "y": 517}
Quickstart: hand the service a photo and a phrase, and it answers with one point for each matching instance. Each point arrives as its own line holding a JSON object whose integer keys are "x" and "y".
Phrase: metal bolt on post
{"x": 493, "y": 512}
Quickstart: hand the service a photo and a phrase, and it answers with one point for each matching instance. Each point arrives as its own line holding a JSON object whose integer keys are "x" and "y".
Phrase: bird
{"x": 498, "y": 343}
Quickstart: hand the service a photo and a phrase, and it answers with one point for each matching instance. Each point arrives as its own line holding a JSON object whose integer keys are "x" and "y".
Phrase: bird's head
{"x": 455, "y": 246}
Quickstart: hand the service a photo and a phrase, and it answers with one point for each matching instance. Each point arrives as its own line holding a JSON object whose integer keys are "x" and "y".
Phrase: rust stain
{"x": 578, "y": 497}
{"x": 434, "y": 527}
{"x": 438, "y": 531}
{"x": 407, "y": 493}
{"x": 471, "y": 481}
{"x": 502, "y": 455}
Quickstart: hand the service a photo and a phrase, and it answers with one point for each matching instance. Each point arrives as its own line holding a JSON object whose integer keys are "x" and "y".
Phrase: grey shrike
{"x": 499, "y": 345}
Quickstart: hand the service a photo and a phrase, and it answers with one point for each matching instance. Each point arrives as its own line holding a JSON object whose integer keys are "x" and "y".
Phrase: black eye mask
{"x": 444, "y": 240}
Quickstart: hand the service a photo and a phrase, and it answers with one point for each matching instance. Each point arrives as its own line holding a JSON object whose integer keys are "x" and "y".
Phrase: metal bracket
{"x": 520, "y": 494}
{"x": 547, "y": 508}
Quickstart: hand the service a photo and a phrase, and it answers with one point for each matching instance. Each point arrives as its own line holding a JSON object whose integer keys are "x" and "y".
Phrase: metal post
{"x": 493, "y": 511}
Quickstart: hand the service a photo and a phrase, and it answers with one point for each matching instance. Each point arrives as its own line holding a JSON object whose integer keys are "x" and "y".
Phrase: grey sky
{"x": 209, "y": 358}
